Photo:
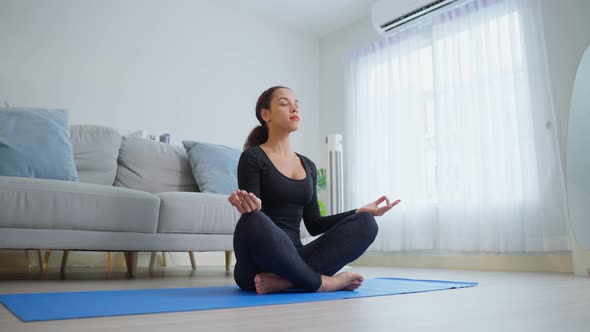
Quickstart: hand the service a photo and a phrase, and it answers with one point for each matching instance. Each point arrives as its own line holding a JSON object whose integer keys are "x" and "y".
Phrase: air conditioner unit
{"x": 390, "y": 14}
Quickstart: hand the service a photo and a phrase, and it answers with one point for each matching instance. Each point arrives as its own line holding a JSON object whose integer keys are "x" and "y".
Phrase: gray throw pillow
{"x": 96, "y": 150}
{"x": 153, "y": 167}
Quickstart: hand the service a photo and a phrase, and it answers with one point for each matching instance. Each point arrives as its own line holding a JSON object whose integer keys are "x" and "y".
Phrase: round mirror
{"x": 578, "y": 155}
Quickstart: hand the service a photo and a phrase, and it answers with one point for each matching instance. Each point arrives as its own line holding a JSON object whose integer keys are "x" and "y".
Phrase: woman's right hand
{"x": 244, "y": 201}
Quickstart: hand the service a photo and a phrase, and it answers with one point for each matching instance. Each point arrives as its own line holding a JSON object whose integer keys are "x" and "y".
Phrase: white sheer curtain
{"x": 454, "y": 116}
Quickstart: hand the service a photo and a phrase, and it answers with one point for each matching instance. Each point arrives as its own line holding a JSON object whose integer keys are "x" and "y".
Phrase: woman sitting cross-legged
{"x": 277, "y": 190}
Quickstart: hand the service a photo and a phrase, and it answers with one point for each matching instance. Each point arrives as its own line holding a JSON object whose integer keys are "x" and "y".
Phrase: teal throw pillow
{"x": 214, "y": 166}
{"x": 35, "y": 143}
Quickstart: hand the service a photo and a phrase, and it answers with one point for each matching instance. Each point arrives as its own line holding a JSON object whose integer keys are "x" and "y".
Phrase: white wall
{"x": 333, "y": 48}
{"x": 190, "y": 68}
{"x": 567, "y": 27}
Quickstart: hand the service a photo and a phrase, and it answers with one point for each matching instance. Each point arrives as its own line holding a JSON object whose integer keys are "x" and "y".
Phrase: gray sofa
{"x": 134, "y": 195}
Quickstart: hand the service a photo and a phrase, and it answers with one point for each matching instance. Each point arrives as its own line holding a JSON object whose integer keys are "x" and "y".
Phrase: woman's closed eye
{"x": 290, "y": 105}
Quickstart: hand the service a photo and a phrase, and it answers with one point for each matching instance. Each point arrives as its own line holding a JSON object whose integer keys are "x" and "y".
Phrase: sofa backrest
{"x": 105, "y": 157}
{"x": 96, "y": 150}
{"x": 154, "y": 167}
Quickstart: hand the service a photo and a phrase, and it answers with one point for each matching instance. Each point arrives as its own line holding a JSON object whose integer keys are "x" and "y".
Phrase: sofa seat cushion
{"x": 53, "y": 204}
{"x": 202, "y": 213}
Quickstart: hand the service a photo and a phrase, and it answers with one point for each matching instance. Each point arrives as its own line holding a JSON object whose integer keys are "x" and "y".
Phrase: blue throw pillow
{"x": 215, "y": 167}
{"x": 35, "y": 143}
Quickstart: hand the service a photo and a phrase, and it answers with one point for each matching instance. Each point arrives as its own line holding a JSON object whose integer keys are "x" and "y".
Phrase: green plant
{"x": 321, "y": 179}
{"x": 321, "y": 186}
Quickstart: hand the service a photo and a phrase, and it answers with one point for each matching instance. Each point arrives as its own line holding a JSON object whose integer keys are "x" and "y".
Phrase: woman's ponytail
{"x": 259, "y": 134}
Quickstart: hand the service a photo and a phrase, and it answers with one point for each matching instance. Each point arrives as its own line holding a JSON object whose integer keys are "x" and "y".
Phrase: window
{"x": 450, "y": 116}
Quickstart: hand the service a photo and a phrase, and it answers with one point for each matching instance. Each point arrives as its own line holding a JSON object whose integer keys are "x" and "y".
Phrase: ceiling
{"x": 315, "y": 18}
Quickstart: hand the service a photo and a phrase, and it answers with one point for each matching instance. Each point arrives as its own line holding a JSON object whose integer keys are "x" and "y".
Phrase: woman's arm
{"x": 314, "y": 222}
{"x": 249, "y": 173}
{"x": 247, "y": 198}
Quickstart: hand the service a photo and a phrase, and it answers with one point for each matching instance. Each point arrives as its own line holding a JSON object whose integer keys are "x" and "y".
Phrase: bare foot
{"x": 341, "y": 281}
{"x": 270, "y": 283}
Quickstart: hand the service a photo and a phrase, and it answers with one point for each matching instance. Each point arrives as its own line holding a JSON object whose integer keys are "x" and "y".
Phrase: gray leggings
{"x": 261, "y": 246}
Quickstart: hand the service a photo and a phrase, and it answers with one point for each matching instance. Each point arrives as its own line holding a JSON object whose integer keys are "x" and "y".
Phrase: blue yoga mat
{"x": 67, "y": 305}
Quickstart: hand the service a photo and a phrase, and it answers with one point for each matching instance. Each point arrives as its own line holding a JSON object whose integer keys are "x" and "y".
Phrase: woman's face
{"x": 284, "y": 111}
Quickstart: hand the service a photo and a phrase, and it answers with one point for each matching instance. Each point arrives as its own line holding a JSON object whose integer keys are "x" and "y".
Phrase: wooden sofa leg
{"x": 126, "y": 260}
{"x": 228, "y": 255}
{"x": 152, "y": 260}
{"x": 64, "y": 259}
{"x": 192, "y": 257}
{"x": 46, "y": 259}
{"x": 131, "y": 262}
{"x": 163, "y": 259}
{"x": 40, "y": 260}
{"x": 27, "y": 259}
{"x": 109, "y": 261}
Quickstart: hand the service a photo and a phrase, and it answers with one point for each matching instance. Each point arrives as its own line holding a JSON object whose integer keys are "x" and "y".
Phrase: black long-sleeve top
{"x": 285, "y": 200}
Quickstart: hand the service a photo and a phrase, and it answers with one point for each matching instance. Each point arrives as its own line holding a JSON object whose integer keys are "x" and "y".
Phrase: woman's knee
{"x": 253, "y": 225}
{"x": 251, "y": 215}
{"x": 253, "y": 219}
{"x": 369, "y": 224}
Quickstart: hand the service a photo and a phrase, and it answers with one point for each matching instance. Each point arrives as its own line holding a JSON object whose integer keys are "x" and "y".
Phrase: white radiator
{"x": 334, "y": 176}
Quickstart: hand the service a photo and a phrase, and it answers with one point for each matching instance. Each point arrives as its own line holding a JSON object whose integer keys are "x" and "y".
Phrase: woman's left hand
{"x": 376, "y": 210}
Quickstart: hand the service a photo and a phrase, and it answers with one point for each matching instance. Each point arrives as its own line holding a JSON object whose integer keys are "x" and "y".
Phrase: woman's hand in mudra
{"x": 244, "y": 201}
{"x": 376, "y": 210}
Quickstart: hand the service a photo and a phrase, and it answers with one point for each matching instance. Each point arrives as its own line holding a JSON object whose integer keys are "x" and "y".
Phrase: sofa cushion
{"x": 153, "y": 167}
{"x": 96, "y": 150}
{"x": 214, "y": 166}
{"x": 35, "y": 143}
{"x": 53, "y": 204}
{"x": 196, "y": 213}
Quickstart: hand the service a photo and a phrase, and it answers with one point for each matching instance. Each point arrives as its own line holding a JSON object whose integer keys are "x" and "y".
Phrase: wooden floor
{"x": 503, "y": 301}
